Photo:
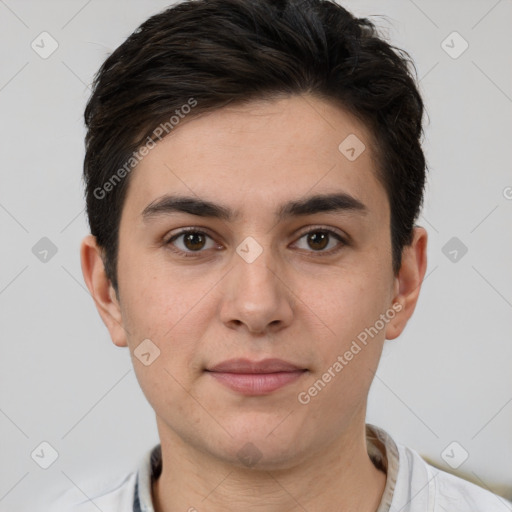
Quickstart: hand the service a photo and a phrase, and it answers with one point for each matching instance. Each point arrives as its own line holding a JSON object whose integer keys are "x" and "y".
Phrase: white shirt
{"x": 412, "y": 485}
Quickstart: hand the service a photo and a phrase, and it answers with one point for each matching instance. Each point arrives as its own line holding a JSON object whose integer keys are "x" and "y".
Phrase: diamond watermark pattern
{"x": 454, "y": 250}
{"x": 249, "y": 249}
{"x": 454, "y": 45}
{"x": 147, "y": 352}
{"x": 352, "y": 147}
{"x": 454, "y": 455}
{"x": 249, "y": 455}
{"x": 44, "y": 455}
{"x": 44, "y": 45}
{"x": 44, "y": 250}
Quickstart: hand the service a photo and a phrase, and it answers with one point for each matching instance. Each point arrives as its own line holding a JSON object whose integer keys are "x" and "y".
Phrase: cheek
{"x": 173, "y": 311}
{"x": 349, "y": 353}
{"x": 160, "y": 320}
{"x": 155, "y": 300}
{"x": 347, "y": 359}
{"x": 353, "y": 303}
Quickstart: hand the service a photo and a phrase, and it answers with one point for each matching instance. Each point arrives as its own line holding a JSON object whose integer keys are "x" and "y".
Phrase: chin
{"x": 261, "y": 444}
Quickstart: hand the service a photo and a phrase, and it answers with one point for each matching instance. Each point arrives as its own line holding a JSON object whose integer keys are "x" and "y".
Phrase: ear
{"x": 101, "y": 290}
{"x": 408, "y": 282}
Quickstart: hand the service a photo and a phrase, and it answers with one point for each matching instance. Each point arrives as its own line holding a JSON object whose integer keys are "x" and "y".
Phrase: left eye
{"x": 193, "y": 241}
{"x": 319, "y": 239}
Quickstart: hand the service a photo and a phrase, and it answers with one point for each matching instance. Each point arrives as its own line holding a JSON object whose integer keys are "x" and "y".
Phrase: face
{"x": 270, "y": 311}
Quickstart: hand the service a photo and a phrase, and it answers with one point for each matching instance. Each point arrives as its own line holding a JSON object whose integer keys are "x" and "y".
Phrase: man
{"x": 253, "y": 176}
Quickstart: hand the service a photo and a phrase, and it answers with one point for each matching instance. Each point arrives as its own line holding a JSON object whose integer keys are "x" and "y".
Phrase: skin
{"x": 293, "y": 302}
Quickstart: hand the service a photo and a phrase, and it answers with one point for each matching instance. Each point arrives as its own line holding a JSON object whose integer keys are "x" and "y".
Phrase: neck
{"x": 341, "y": 477}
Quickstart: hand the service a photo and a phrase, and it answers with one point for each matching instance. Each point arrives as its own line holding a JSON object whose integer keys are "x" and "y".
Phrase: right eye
{"x": 192, "y": 241}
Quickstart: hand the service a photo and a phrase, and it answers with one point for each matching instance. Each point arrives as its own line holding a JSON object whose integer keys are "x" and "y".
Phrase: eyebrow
{"x": 322, "y": 203}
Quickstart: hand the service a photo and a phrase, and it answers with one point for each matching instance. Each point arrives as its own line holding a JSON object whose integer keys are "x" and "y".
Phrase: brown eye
{"x": 194, "y": 241}
{"x": 190, "y": 241}
{"x": 318, "y": 240}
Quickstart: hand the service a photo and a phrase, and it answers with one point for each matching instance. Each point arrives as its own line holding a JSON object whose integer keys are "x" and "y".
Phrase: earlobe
{"x": 101, "y": 290}
{"x": 408, "y": 282}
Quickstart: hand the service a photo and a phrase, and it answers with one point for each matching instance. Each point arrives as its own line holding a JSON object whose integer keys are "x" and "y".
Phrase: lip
{"x": 248, "y": 366}
{"x": 255, "y": 377}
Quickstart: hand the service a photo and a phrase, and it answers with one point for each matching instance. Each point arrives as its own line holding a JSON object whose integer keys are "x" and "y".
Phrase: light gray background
{"x": 447, "y": 378}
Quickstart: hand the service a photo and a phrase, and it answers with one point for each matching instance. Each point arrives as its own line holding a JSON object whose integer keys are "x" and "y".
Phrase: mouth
{"x": 255, "y": 378}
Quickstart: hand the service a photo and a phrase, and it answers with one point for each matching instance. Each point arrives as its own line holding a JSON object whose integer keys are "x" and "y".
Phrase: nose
{"x": 257, "y": 296}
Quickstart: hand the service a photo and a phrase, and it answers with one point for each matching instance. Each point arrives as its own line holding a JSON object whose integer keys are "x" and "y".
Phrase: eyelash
{"x": 192, "y": 254}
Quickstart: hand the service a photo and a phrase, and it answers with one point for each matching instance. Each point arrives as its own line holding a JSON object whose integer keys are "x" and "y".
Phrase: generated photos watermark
{"x": 304, "y": 397}
{"x": 158, "y": 133}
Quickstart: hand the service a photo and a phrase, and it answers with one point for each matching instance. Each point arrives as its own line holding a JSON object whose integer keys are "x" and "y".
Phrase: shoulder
{"x": 114, "y": 494}
{"x": 421, "y": 486}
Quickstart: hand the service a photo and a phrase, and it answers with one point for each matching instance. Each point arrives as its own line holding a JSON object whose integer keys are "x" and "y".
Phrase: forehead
{"x": 257, "y": 156}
